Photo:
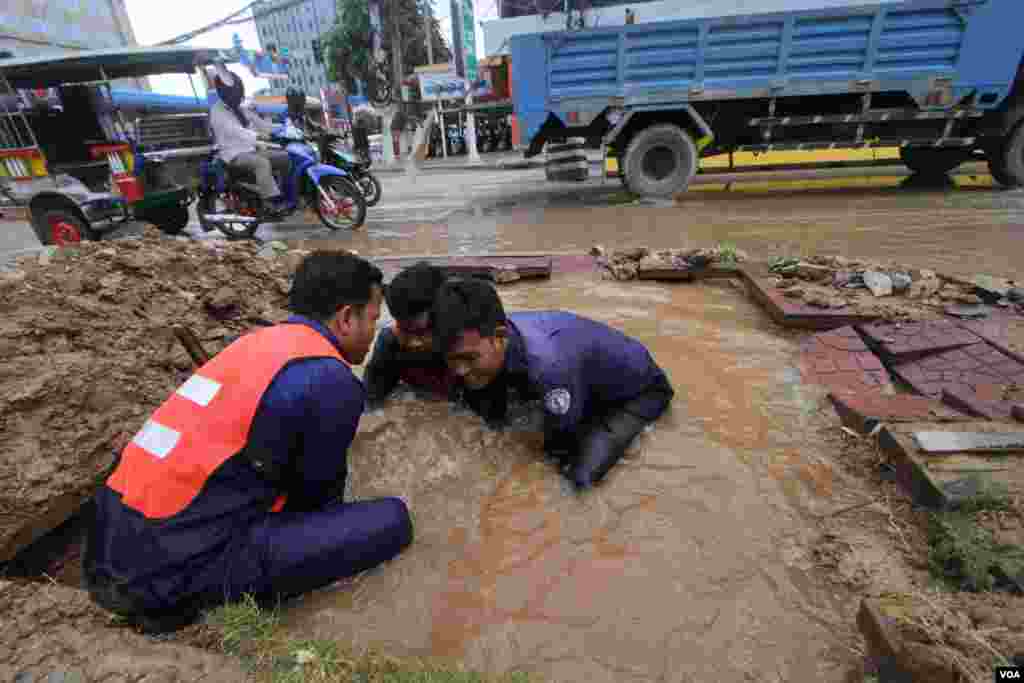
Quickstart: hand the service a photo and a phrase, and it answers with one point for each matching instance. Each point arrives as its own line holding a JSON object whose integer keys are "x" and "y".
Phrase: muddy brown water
{"x": 962, "y": 231}
{"x": 688, "y": 563}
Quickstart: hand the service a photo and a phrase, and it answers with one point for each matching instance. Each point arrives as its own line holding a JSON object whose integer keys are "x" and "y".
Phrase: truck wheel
{"x": 660, "y": 161}
{"x": 60, "y": 228}
{"x": 1007, "y": 164}
{"x": 932, "y": 161}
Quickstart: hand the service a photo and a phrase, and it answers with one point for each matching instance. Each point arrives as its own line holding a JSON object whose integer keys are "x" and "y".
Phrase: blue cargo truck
{"x": 943, "y": 80}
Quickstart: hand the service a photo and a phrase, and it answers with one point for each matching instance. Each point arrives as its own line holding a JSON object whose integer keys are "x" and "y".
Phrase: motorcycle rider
{"x": 236, "y": 130}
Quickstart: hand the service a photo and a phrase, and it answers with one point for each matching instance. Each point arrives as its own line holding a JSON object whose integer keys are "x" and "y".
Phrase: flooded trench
{"x": 688, "y": 563}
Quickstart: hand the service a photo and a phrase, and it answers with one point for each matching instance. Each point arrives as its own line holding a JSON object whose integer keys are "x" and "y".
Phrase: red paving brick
{"x": 905, "y": 341}
{"x": 971, "y": 404}
{"x": 978, "y": 370}
{"x": 789, "y": 313}
{"x": 840, "y": 360}
{"x": 861, "y": 412}
{"x": 994, "y": 329}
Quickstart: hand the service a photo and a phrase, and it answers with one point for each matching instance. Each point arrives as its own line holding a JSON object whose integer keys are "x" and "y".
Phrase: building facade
{"x": 293, "y": 25}
{"x": 33, "y": 26}
{"x": 29, "y": 27}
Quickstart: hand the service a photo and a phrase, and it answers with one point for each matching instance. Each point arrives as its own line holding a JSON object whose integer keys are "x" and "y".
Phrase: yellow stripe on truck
{"x": 785, "y": 158}
{"x": 821, "y": 156}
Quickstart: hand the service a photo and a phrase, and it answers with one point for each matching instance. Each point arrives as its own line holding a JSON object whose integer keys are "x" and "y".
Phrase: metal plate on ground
{"x": 968, "y": 442}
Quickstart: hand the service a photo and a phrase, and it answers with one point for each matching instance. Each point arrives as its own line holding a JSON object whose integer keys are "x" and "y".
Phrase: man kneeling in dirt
{"x": 404, "y": 352}
{"x": 599, "y": 387}
{"x": 234, "y": 485}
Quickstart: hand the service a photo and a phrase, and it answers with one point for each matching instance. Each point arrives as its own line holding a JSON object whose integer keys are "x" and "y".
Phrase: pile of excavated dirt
{"x": 86, "y": 334}
{"x": 53, "y": 633}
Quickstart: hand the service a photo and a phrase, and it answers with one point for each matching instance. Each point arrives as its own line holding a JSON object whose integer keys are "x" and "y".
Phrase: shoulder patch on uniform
{"x": 557, "y": 401}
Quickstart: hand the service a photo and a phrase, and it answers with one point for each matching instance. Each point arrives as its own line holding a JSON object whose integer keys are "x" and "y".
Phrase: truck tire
{"x": 932, "y": 161}
{"x": 660, "y": 161}
{"x": 1007, "y": 164}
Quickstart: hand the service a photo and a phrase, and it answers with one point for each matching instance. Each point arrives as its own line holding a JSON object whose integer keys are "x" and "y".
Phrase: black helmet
{"x": 296, "y": 102}
{"x": 230, "y": 88}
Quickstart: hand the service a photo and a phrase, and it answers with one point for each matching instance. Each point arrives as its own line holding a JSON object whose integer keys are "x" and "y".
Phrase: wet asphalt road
{"x": 867, "y": 213}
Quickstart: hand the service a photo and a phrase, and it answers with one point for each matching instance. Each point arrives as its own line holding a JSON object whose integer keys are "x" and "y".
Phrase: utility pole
{"x": 397, "y": 60}
{"x": 458, "y": 26}
{"x": 429, "y": 19}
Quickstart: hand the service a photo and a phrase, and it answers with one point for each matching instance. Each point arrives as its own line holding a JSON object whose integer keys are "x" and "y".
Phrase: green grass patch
{"x": 727, "y": 254}
{"x": 991, "y": 495}
{"x": 963, "y": 554}
{"x": 253, "y": 633}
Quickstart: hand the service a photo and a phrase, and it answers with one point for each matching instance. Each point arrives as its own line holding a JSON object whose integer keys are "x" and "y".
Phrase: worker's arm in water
{"x": 382, "y": 370}
{"x": 305, "y": 424}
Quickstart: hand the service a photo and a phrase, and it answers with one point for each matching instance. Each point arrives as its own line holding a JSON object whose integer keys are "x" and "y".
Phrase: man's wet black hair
{"x": 462, "y": 305}
{"x": 413, "y": 290}
{"x": 327, "y": 280}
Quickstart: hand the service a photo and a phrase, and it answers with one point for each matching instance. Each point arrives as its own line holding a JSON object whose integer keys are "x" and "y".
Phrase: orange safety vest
{"x": 206, "y": 421}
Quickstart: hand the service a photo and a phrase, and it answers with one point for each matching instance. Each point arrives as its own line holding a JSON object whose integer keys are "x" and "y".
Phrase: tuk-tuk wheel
{"x": 61, "y": 228}
{"x": 170, "y": 220}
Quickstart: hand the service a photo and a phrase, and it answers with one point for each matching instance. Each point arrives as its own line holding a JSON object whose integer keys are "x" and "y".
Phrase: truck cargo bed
{"x": 938, "y": 52}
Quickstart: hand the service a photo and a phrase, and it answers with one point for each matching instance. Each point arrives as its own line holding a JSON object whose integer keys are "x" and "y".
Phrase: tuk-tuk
{"x": 67, "y": 153}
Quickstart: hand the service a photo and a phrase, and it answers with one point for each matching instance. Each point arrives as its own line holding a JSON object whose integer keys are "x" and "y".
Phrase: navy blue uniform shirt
{"x": 303, "y": 427}
{"x": 578, "y": 367}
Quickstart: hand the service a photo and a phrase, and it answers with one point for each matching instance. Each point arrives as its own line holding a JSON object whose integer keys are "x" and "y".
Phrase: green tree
{"x": 348, "y": 45}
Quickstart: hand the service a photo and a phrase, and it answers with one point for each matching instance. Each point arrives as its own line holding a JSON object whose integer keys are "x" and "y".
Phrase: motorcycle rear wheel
{"x": 371, "y": 188}
{"x": 233, "y": 231}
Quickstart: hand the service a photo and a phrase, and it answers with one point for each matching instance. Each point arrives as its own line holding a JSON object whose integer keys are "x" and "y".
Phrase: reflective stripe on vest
{"x": 206, "y": 421}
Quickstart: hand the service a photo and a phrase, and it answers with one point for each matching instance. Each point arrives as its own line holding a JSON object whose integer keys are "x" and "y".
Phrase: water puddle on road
{"x": 688, "y": 563}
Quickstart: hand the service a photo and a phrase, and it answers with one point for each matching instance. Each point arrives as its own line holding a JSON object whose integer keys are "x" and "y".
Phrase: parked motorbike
{"x": 484, "y": 139}
{"x": 335, "y": 154}
{"x": 230, "y": 201}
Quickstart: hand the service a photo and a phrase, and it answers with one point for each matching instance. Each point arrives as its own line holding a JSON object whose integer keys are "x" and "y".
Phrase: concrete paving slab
{"x": 863, "y": 412}
{"x": 969, "y": 403}
{"x": 788, "y": 313}
{"x": 968, "y": 442}
{"x": 979, "y": 369}
{"x": 945, "y": 480}
{"x": 906, "y": 341}
{"x": 996, "y": 331}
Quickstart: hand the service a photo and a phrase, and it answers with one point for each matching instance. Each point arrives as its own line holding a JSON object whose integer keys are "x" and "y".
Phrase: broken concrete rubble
{"x": 880, "y": 284}
{"x": 664, "y": 264}
{"x": 900, "y": 282}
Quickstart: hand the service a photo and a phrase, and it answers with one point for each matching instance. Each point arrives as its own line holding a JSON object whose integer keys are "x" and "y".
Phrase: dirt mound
{"x": 89, "y": 350}
{"x": 54, "y": 633}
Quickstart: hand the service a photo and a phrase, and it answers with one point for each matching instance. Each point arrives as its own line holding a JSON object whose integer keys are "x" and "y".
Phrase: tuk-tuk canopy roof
{"x": 57, "y": 68}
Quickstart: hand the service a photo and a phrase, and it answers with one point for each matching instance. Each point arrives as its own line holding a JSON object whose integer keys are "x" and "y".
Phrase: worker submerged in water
{"x": 599, "y": 387}
{"x": 235, "y": 484}
{"x": 404, "y": 351}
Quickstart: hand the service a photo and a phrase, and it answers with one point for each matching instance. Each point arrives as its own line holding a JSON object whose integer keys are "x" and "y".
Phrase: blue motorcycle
{"x": 231, "y": 202}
